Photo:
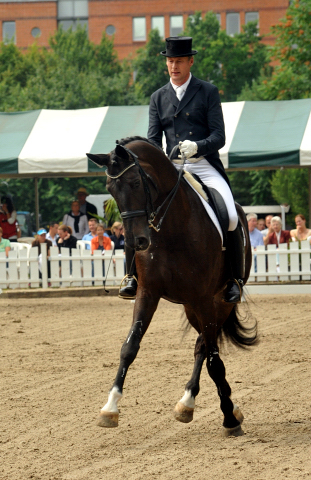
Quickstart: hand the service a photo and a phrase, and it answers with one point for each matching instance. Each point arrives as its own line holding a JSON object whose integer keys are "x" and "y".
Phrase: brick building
{"x": 128, "y": 20}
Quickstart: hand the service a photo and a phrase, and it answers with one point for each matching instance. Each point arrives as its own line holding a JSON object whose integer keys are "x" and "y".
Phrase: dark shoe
{"x": 233, "y": 291}
{"x": 129, "y": 291}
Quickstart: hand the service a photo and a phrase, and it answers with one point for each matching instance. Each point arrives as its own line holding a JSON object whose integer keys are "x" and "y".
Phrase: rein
{"x": 149, "y": 212}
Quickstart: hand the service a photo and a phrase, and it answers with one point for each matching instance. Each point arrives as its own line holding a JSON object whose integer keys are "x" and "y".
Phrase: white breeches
{"x": 213, "y": 179}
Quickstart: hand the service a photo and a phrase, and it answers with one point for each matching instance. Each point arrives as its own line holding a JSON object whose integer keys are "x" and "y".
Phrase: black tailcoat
{"x": 197, "y": 117}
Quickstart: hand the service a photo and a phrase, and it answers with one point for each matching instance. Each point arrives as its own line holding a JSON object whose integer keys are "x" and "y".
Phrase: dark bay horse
{"x": 182, "y": 261}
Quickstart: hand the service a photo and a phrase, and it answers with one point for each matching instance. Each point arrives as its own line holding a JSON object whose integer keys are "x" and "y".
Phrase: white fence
{"x": 23, "y": 269}
{"x": 283, "y": 264}
{"x": 81, "y": 269}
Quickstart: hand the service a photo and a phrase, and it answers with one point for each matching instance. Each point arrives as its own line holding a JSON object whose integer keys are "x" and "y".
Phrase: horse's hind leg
{"x": 143, "y": 312}
{"x": 216, "y": 369}
{"x": 184, "y": 409}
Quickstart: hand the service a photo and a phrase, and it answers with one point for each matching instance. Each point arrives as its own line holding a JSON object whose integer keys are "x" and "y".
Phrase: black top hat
{"x": 179, "y": 47}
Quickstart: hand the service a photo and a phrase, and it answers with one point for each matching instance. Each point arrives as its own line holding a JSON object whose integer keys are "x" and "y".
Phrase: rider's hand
{"x": 187, "y": 148}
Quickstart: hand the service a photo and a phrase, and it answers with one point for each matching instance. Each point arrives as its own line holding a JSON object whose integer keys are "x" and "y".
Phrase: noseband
{"x": 149, "y": 211}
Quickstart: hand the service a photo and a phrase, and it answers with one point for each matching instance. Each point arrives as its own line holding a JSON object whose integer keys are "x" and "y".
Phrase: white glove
{"x": 188, "y": 148}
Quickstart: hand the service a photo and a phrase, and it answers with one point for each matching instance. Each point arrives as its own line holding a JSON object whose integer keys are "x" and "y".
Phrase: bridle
{"x": 150, "y": 212}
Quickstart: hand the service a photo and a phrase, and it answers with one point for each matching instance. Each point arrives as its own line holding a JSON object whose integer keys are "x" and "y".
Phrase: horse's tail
{"x": 235, "y": 330}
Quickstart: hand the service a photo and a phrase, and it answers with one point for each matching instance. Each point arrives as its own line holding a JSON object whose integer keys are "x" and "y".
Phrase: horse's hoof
{"x": 108, "y": 419}
{"x": 238, "y": 414}
{"x": 232, "y": 432}
{"x": 182, "y": 413}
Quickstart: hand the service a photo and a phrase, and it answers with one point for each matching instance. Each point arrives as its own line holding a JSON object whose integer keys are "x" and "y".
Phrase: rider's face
{"x": 179, "y": 69}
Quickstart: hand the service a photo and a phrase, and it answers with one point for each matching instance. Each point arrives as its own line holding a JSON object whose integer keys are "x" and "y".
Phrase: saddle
{"x": 209, "y": 194}
{"x": 217, "y": 204}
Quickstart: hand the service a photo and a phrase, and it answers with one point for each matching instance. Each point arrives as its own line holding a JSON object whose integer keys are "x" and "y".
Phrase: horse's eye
{"x": 136, "y": 183}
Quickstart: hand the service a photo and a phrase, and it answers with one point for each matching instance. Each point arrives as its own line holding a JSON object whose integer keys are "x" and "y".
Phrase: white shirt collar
{"x": 184, "y": 86}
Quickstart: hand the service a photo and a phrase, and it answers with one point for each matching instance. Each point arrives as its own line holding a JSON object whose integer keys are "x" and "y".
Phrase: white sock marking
{"x": 112, "y": 404}
{"x": 188, "y": 400}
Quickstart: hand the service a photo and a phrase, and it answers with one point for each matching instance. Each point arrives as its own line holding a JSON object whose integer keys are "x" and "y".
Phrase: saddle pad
{"x": 196, "y": 186}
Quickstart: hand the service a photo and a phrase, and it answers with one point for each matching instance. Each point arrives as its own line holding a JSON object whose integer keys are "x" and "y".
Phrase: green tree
{"x": 228, "y": 62}
{"x": 150, "y": 67}
{"x": 55, "y": 196}
{"x": 252, "y": 187}
{"x": 73, "y": 73}
{"x": 290, "y": 186}
{"x": 291, "y": 78}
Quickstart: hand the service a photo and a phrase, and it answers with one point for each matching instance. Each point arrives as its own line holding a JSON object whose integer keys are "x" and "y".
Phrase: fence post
{"x": 44, "y": 265}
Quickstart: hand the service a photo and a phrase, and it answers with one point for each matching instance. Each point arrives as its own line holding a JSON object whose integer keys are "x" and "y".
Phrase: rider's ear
{"x": 100, "y": 159}
{"x": 121, "y": 152}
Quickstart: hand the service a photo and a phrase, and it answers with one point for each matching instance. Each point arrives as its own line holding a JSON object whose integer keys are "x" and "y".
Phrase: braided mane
{"x": 126, "y": 140}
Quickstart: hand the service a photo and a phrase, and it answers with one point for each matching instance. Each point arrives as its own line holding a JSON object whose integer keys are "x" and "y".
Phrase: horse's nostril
{"x": 141, "y": 243}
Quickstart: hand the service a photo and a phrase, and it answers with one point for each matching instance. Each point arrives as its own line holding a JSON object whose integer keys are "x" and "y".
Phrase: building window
{"x": 251, "y": 17}
{"x": 232, "y": 23}
{"x": 158, "y": 22}
{"x": 218, "y": 18}
{"x": 176, "y": 25}
{"x": 72, "y": 13}
{"x": 8, "y": 32}
{"x": 36, "y": 32}
{"x": 110, "y": 29}
{"x": 73, "y": 24}
{"x": 139, "y": 29}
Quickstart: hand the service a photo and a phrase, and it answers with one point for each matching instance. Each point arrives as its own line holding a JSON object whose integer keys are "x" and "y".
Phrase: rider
{"x": 188, "y": 111}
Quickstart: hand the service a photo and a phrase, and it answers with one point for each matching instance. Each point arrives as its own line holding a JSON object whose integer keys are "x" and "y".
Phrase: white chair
{"x": 81, "y": 244}
{"x": 21, "y": 246}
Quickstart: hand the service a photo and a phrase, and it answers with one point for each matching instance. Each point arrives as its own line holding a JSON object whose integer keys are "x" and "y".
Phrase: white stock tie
{"x": 179, "y": 93}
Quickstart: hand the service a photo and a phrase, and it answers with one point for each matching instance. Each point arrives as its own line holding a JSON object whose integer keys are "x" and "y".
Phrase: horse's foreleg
{"x": 184, "y": 409}
{"x": 232, "y": 415}
{"x": 143, "y": 312}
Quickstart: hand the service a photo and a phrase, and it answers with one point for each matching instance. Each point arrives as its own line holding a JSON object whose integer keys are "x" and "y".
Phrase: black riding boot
{"x": 235, "y": 250}
{"x": 129, "y": 291}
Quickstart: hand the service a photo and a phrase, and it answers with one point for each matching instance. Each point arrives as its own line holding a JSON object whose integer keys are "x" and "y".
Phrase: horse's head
{"x": 133, "y": 192}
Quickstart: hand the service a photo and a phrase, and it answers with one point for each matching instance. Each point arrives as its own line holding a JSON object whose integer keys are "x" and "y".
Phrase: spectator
{"x": 52, "y": 235}
{"x": 117, "y": 236}
{"x": 254, "y": 234}
{"x": 261, "y": 224}
{"x": 278, "y": 235}
{"x": 41, "y": 238}
{"x": 92, "y": 233}
{"x": 76, "y": 220}
{"x": 85, "y": 207}
{"x": 267, "y": 230}
{"x": 100, "y": 242}
{"x": 5, "y": 245}
{"x": 8, "y": 219}
{"x": 301, "y": 232}
{"x": 66, "y": 239}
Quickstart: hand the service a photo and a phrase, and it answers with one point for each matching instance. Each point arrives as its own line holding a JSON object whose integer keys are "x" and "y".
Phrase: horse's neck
{"x": 161, "y": 170}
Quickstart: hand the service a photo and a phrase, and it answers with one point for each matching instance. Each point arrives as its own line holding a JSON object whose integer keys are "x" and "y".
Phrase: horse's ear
{"x": 121, "y": 152}
{"x": 100, "y": 159}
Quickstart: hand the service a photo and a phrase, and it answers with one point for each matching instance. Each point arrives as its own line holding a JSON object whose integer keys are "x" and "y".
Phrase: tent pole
{"x": 36, "y": 203}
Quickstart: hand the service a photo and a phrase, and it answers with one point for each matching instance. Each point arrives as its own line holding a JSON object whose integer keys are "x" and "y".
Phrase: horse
{"x": 179, "y": 257}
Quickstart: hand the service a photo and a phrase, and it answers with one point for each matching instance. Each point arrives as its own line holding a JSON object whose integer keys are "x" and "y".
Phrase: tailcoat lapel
{"x": 192, "y": 89}
{"x": 170, "y": 95}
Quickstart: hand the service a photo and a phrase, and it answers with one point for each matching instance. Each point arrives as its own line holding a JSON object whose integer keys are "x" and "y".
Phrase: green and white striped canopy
{"x": 55, "y": 142}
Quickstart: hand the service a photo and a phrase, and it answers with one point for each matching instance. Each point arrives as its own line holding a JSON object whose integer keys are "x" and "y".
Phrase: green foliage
{"x": 290, "y": 186}
{"x": 252, "y": 187}
{"x": 228, "y": 62}
{"x": 150, "y": 67}
{"x": 55, "y": 196}
{"x": 74, "y": 73}
{"x": 291, "y": 78}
